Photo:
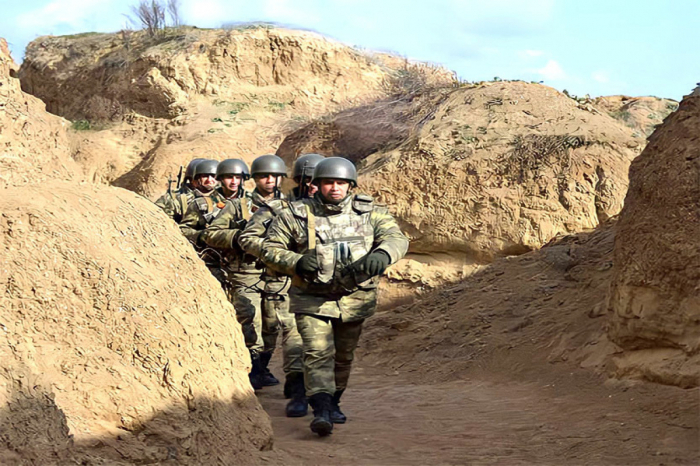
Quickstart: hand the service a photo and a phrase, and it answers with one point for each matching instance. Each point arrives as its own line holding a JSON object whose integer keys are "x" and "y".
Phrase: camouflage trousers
{"x": 329, "y": 348}
{"x": 276, "y": 302}
{"x": 259, "y": 324}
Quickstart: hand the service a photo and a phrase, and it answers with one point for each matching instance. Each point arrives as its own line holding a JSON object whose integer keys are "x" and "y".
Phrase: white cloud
{"x": 600, "y": 76}
{"x": 533, "y": 53}
{"x": 552, "y": 71}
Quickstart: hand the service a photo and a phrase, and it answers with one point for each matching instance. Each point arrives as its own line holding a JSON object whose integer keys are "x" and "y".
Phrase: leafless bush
{"x": 149, "y": 14}
{"x": 174, "y": 13}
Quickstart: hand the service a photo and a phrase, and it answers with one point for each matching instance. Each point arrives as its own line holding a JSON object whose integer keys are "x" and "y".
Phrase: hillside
{"x": 144, "y": 106}
{"x": 481, "y": 171}
{"x": 34, "y": 145}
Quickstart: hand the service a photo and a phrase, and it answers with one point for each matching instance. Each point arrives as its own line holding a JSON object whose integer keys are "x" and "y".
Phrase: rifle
{"x": 179, "y": 179}
{"x": 170, "y": 185}
{"x": 303, "y": 187}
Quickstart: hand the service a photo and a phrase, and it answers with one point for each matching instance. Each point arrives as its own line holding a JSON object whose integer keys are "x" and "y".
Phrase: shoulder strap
{"x": 183, "y": 203}
{"x": 363, "y": 203}
{"x": 311, "y": 227}
{"x": 299, "y": 208}
{"x": 245, "y": 211}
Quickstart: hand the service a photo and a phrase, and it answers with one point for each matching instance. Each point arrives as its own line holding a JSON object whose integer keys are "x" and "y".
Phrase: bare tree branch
{"x": 150, "y": 14}
{"x": 174, "y": 12}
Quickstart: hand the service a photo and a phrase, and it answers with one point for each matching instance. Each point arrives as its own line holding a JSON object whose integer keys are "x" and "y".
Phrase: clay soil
{"x": 554, "y": 416}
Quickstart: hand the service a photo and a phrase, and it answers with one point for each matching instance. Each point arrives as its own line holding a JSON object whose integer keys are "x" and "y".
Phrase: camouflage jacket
{"x": 342, "y": 235}
{"x": 252, "y": 237}
{"x": 175, "y": 204}
{"x": 223, "y": 233}
{"x": 201, "y": 212}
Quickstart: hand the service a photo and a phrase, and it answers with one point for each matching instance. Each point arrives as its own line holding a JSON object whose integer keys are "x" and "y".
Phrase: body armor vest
{"x": 339, "y": 239}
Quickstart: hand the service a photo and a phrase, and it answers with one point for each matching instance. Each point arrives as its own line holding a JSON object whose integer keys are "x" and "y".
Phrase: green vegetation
{"x": 275, "y": 106}
{"x": 81, "y": 125}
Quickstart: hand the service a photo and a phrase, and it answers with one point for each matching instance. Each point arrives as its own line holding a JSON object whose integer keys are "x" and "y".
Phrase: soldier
{"x": 259, "y": 327}
{"x": 205, "y": 206}
{"x": 175, "y": 204}
{"x": 335, "y": 246}
{"x": 275, "y": 300}
{"x": 232, "y": 173}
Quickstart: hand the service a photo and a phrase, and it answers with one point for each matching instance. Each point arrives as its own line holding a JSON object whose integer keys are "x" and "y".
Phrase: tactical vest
{"x": 208, "y": 208}
{"x": 339, "y": 240}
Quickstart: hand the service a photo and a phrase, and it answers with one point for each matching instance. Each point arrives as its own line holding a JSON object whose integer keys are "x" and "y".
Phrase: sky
{"x": 595, "y": 47}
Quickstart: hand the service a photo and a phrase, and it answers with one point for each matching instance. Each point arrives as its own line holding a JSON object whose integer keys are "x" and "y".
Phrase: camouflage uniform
{"x": 200, "y": 212}
{"x": 275, "y": 299}
{"x": 331, "y": 307}
{"x": 243, "y": 276}
{"x": 175, "y": 204}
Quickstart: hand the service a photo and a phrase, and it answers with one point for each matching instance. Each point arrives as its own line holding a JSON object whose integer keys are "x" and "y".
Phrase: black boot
{"x": 322, "y": 424}
{"x": 298, "y": 406}
{"x": 267, "y": 378}
{"x": 337, "y": 415}
{"x": 255, "y": 375}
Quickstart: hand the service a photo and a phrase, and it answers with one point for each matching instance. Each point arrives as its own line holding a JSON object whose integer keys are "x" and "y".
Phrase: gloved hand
{"x": 375, "y": 263}
{"x": 307, "y": 265}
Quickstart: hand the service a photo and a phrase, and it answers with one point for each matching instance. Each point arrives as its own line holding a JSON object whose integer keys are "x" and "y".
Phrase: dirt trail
{"x": 558, "y": 417}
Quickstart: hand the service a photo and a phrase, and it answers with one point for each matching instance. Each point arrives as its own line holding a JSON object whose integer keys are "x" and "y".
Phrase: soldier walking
{"x": 175, "y": 204}
{"x": 335, "y": 246}
{"x": 259, "y": 324}
{"x": 275, "y": 300}
{"x": 206, "y": 204}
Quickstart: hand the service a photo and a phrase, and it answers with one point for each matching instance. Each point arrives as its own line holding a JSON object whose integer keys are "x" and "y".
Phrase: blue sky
{"x": 591, "y": 47}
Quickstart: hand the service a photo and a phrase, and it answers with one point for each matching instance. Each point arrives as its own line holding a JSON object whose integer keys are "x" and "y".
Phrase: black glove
{"x": 375, "y": 263}
{"x": 307, "y": 265}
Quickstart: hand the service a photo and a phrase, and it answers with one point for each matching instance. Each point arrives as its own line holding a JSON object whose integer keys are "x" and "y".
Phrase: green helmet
{"x": 268, "y": 165}
{"x": 232, "y": 167}
{"x": 337, "y": 168}
{"x": 305, "y": 165}
{"x": 189, "y": 172}
{"x": 205, "y": 167}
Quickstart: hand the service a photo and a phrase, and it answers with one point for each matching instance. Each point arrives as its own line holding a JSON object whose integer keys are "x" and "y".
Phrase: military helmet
{"x": 268, "y": 165}
{"x": 232, "y": 167}
{"x": 189, "y": 172}
{"x": 336, "y": 167}
{"x": 205, "y": 167}
{"x": 305, "y": 166}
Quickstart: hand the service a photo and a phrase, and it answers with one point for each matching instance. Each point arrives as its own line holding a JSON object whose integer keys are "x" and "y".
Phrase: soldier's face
{"x": 267, "y": 183}
{"x": 333, "y": 190}
{"x": 231, "y": 183}
{"x": 206, "y": 183}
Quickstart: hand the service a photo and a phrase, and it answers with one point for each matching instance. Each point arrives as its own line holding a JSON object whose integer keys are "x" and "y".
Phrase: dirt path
{"x": 562, "y": 417}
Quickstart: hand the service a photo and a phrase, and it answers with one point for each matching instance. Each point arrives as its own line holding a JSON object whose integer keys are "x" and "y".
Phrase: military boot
{"x": 322, "y": 424}
{"x": 337, "y": 415}
{"x": 256, "y": 371}
{"x": 267, "y": 378}
{"x": 298, "y": 406}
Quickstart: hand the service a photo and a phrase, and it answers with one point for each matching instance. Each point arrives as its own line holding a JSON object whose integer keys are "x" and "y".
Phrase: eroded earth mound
{"x": 143, "y": 106}
{"x": 643, "y": 114}
{"x": 34, "y": 145}
{"x": 655, "y": 293}
{"x": 117, "y": 344}
{"x": 480, "y": 172}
